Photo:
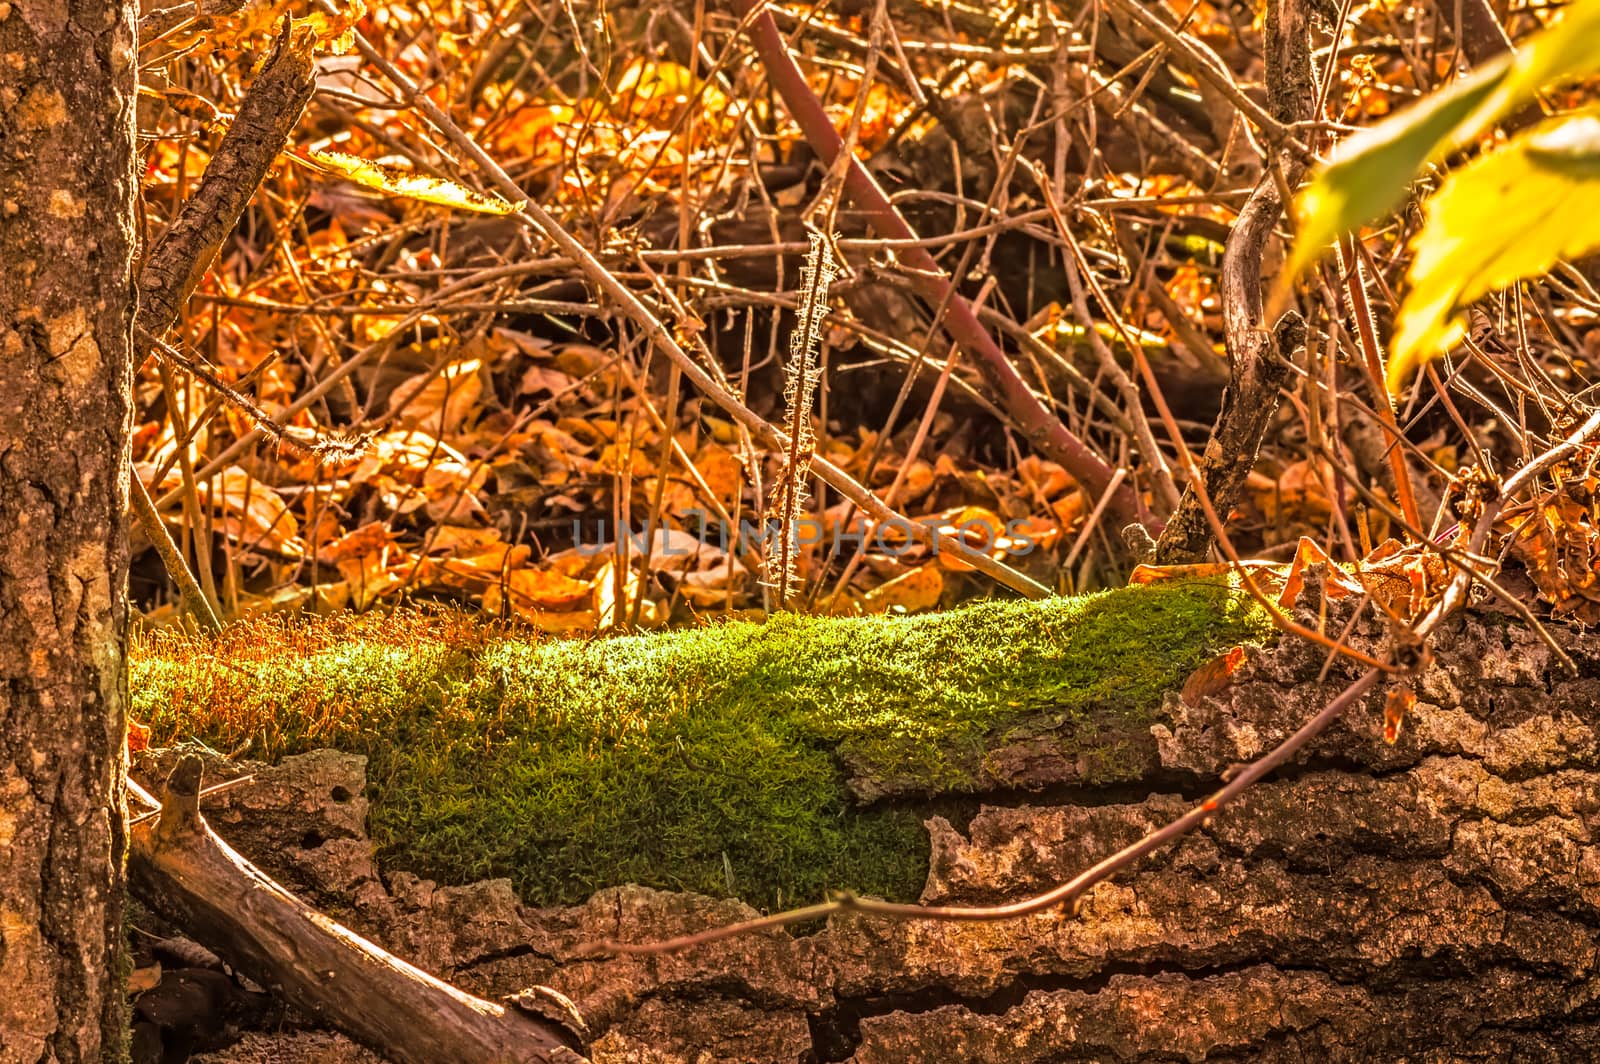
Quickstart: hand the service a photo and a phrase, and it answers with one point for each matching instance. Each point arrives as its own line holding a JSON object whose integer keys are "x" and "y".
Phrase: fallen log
{"x": 184, "y": 872}
{"x": 1435, "y": 897}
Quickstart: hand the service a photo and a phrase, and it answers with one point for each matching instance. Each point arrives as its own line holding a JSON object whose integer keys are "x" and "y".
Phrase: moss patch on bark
{"x": 706, "y": 759}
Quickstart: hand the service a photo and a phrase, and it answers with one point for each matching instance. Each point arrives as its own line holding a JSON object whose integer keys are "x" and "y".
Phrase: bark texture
{"x": 66, "y": 308}
{"x": 257, "y": 134}
{"x": 1432, "y": 900}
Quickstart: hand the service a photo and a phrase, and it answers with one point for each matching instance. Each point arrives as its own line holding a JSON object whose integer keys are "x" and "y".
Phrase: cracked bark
{"x": 67, "y": 188}
{"x": 1432, "y": 899}
{"x": 182, "y": 870}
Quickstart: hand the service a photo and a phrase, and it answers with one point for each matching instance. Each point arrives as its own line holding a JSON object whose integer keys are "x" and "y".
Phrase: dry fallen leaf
{"x": 1213, "y": 677}
{"x": 1553, "y": 541}
{"x": 1396, "y": 705}
{"x": 439, "y": 403}
{"x": 918, "y": 589}
{"x": 396, "y": 181}
{"x": 144, "y": 979}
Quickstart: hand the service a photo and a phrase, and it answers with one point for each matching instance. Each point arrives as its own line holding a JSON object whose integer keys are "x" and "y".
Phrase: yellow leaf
{"x": 405, "y": 183}
{"x": 1491, "y": 224}
{"x": 544, "y": 589}
{"x": 335, "y": 32}
{"x": 1369, "y": 174}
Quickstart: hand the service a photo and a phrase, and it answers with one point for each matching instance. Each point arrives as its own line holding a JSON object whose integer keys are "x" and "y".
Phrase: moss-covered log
{"x": 1431, "y": 900}
{"x": 767, "y": 761}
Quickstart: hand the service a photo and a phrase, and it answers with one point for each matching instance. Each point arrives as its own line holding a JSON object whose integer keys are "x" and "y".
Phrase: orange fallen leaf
{"x": 1155, "y": 574}
{"x": 1213, "y": 677}
{"x": 545, "y": 589}
{"x": 1336, "y": 583}
{"x": 442, "y": 403}
{"x": 1395, "y": 707}
{"x": 918, "y": 589}
{"x": 138, "y": 736}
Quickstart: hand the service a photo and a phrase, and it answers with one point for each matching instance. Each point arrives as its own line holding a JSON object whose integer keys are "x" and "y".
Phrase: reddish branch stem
{"x": 632, "y": 306}
{"x": 1372, "y": 355}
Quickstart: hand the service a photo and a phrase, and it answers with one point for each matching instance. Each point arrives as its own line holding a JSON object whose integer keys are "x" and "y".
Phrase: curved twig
{"x": 1258, "y": 355}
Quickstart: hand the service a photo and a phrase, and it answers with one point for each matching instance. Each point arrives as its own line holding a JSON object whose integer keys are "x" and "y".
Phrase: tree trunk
{"x": 67, "y": 190}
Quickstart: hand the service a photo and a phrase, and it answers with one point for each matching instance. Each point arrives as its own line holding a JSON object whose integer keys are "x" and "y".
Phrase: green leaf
{"x": 1509, "y": 215}
{"x": 1371, "y": 172}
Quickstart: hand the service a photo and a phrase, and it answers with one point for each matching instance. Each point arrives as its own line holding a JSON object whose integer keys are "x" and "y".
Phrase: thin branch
{"x": 1205, "y": 65}
{"x": 189, "y": 593}
{"x": 1372, "y": 358}
{"x": 185, "y": 251}
{"x": 1066, "y": 894}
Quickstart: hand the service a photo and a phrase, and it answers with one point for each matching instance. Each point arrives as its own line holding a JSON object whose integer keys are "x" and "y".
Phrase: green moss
{"x": 704, "y": 759}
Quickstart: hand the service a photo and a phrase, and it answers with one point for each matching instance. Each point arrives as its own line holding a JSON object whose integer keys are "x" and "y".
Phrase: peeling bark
{"x": 1259, "y": 352}
{"x": 256, "y": 136}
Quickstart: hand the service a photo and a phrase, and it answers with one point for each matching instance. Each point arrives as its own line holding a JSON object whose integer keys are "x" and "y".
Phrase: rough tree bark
{"x": 66, "y": 307}
{"x": 181, "y": 870}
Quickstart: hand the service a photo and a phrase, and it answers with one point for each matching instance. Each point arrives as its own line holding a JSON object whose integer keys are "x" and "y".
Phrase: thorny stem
{"x": 803, "y": 372}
